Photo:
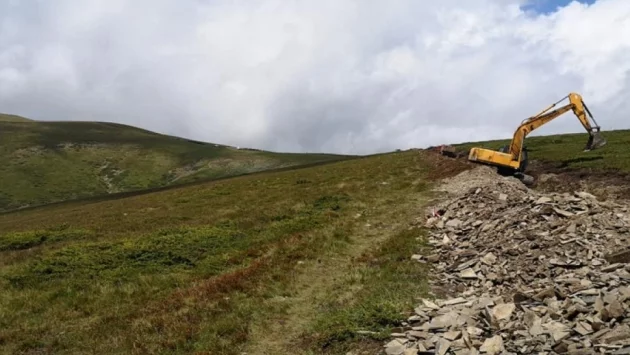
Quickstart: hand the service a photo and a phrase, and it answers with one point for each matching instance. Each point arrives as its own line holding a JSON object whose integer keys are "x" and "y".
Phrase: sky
{"x": 550, "y": 6}
{"x": 336, "y": 76}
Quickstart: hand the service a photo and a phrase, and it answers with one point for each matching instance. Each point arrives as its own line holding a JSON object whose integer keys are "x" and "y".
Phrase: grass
{"x": 566, "y": 150}
{"x": 315, "y": 260}
{"x": 43, "y": 162}
{"x": 389, "y": 285}
{"x": 261, "y": 261}
{"x": 12, "y": 118}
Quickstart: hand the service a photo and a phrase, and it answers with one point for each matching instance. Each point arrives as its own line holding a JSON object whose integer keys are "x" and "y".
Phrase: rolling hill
{"x": 43, "y": 162}
{"x": 219, "y": 267}
{"x": 302, "y": 261}
{"x": 13, "y": 118}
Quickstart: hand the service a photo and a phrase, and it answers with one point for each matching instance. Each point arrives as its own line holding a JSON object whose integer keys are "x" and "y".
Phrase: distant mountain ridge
{"x": 43, "y": 162}
{"x": 13, "y": 118}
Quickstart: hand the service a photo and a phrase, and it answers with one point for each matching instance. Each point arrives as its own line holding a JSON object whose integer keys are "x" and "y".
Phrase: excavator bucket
{"x": 595, "y": 140}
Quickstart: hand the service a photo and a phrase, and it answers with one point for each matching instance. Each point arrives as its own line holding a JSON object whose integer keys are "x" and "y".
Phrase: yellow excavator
{"x": 512, "y": 159}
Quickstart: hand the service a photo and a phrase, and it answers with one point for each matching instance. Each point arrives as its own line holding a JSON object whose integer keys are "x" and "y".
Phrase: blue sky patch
{"x": 549, "y": 6}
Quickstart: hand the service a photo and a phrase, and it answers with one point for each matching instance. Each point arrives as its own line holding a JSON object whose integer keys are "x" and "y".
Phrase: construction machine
{"x": 512, "y": 159}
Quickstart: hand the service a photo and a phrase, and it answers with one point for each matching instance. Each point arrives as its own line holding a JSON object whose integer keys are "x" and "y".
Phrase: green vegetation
{"x": 312, "y": 260}
{"x": 388, "y": 286}
{"x": 279, "y": 262}
{"x": 566, "y": 150}
{"x": 13, "y": 118}
{"x": 43, "y": 162}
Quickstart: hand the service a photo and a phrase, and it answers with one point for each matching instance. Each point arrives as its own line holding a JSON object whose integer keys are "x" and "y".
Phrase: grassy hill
{"x": 43, "y": 162}
{"x": 13, "y": 118}
{"x": 271, "y": 263}
{"x": 312, "y": 260}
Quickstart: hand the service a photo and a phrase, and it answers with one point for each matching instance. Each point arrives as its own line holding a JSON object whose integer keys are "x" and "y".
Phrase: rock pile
{"x": 524, "y": 273}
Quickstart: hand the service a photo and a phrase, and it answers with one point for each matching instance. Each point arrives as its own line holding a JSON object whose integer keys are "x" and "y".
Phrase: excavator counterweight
{"x": 512, "y": 159}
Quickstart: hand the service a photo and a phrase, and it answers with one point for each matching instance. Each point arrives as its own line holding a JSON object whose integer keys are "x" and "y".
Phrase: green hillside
{"x": 13, "y": 118}
{"x": 302, "y": 261}
{"x": 272, "y": 263}
{"x": 43, "y": 162}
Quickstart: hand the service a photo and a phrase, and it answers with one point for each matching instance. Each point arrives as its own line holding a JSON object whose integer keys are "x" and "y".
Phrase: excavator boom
{"x": 513, "y": 157}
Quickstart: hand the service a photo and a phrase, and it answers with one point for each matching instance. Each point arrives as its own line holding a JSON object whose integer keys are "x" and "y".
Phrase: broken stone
{"x": 418, "y": 334}
{"x": 492, "y": 346}
{"x": 442, "y": 346}
{"x": 503, "y": 311}
{"x": 615, "y": 309}
{"x": 618, "y": 334}
{"x": 429, "y": 304}
{"x": 583, "y": 328}
{"x": 452, "y": 335}
{"x": 612, "y": 267}
{"x": 563, "y": 212}
{"x": 599, "y": 304}
{"x": 394, "y": 347}
{"x": 557, "y": 330}
{"x": 489, "y": 259}
{"x": 468, "y": 274}
{"x": 618, "y": 257}
{"x": 454, "y": 301}
{"x": 531, "y": 273}
{"x": 444, "y": 321}
{"x": 453, "y": 223}
{"x": 474, "y": 331}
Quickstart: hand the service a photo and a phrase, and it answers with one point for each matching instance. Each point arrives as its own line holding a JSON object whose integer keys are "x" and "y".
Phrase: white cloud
{"x": 351, "y": 76}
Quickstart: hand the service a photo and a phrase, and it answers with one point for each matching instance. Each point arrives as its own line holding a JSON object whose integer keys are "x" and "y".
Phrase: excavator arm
{"x": 512, "y": 157}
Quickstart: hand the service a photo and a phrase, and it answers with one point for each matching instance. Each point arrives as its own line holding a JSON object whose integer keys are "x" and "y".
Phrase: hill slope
{"x": 13, "y": 118}
{"x": 43, "y": 162}
{"x": 315, "y": 260}
{"x": 272, "y": 263}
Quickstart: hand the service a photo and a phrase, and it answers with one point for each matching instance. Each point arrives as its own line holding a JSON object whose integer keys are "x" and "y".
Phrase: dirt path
{"x": 328, "y": 278}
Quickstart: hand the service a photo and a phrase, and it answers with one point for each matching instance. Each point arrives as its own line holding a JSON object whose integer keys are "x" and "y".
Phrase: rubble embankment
{"x": 524, "y": 272}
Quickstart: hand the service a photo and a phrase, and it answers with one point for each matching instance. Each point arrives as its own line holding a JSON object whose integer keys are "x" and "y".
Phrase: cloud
{"x": 348, "y": 76}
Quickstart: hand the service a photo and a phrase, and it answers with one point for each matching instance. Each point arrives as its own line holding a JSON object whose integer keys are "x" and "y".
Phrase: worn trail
{"x": 328, "y": 278}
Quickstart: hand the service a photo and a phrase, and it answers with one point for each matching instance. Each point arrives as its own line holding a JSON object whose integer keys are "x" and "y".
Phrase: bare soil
{"x": 605, "y": 184}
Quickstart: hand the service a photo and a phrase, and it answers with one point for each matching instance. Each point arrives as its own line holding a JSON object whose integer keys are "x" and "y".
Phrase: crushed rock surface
{"x": 482, "y": 176}
{"x": 524, "y": 272}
